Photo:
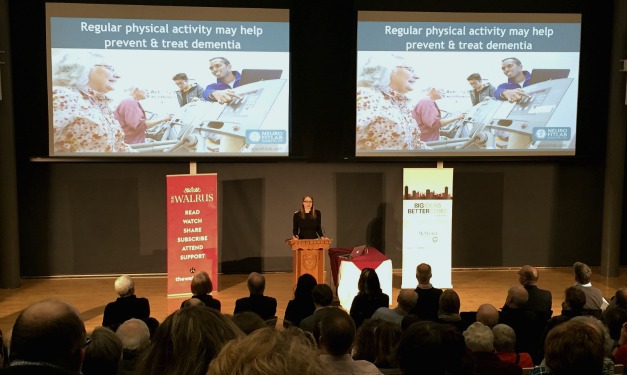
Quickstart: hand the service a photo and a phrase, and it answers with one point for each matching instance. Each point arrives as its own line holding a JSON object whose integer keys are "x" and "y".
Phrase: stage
{"x": 90, "y": 294}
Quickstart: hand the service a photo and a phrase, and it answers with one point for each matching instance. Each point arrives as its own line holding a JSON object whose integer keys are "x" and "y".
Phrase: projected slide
{"x": 454, "y": 84}
{"x": 134, "y": 81}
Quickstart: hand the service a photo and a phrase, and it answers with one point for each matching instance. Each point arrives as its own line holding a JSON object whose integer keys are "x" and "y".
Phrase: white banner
{"x": 427, "y": 224}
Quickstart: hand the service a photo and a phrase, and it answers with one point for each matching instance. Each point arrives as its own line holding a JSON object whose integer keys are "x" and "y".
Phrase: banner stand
{"x": 427, "y": 223}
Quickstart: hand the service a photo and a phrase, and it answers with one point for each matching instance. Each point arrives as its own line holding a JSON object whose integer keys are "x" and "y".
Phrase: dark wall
{"x": 109, "y": 217}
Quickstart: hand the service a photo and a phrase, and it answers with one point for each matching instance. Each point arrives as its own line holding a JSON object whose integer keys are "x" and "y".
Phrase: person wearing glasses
{"x": 307, "y": 221}
{"x": 384, "y": 120}
{"x": 81, "y": 116}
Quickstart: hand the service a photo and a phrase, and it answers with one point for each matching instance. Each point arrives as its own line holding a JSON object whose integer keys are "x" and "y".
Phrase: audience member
{"x": 480, "y": 90}
{"x": 573, "y": 347}
{"x": 539, "y": 299}
{"x": 132, "y": 117}
{"x": 248, "y": 321}
{"x": 406, "y": 301}
{"x": 594, "y": 297}
{"x": 448, "y": 312}
{"x": 488, "y": 315}
{"x": 432, "y": 348}
{"x": 608, "y": 344}
{"x": 528, "y": 325}
{"x": 323, "y": 298}
{"x": 505, "y": 347}
{"x": 187, "y": 92}
{"x": 337, "y": 334}
{"x": 620, "y": 349}
{"x": 369, "y": 298}
{"x": 480, "y": 341}
{"x": 268, "y": 351}
{"x": 103, "y": 355}
{"x": 187, "y": 341}
{"x": 127, "y": 306}
{"x": 376, "y": 341}
{"x": 48, "y": 338}
{"x": 192, "y": 302}
{"x": 428, "y": 297}
{"x": 302, "y": 305}
{"x": 202, "y": 287}
{"x": 135, "y": 338}
{"x": 262, "y": 305}
{"x": 616, "y": 313}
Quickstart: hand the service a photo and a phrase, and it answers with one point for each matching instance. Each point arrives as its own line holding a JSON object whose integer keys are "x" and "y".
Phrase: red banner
{"x": 192, "y": 230}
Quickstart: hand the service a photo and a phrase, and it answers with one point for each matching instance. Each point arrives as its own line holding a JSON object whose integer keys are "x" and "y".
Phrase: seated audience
{"x": 480, "y": 341}
{"x": 428, "y": 303}
{"x": 127, "y": 306}
{"x": 187, "y": 341}
{"x": 302, "y": 305}
{"x": 262, "y": 305}
{"x": 528, "y": 325}
{"x": 432, "y": 348}
{"x": 192, "y": 302}
{"x": 573, "y": 347}
{"x": 616, "y": 313}
{"x": 322, "y": 295}
{"x": 103, "y": 355}
{"x": 594, "y": 297}
{"x": 505, "y": 344}
{"x": 488, "y": 315}
{"x": 608, "y": 344}
{"x": 202, "y": 287}
{"x": 620, "y": 349}
{"x": 406, "y": 301}
{"x": 369, "y": 297}
{"x": 248, "y": 321}
{"x": 540, "y": 300}
{"x": 449, "y": 310}
{"x": 135, "y": 338}
{"x": 375, "y": 342}
{"x": 337, "y": 334}
{"x": 268, "y": 351}
{"x": 48, "y": 337}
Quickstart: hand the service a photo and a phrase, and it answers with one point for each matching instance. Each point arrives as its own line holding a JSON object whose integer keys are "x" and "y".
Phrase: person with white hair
{"x": 127, "y": 306}
{"x": 505, "y": 344}
{"x": 81, "y": 117}
{"x": 429, "y": 117}
{"x": 480, "y": 341}
{"x": 384, "y": 120}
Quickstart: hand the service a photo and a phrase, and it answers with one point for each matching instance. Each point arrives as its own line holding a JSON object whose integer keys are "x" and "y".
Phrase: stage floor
{"x": 91, "y": 294}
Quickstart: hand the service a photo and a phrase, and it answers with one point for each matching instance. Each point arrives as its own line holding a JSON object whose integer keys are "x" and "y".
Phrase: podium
{"x": 309, "y": 257}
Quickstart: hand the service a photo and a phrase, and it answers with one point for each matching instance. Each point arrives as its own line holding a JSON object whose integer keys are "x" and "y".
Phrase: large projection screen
{"x": 429, "y": 112}
{"x": 115, "y": 87}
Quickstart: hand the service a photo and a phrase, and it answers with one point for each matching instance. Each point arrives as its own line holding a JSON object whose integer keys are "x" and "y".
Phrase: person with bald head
{"x": 539, "y": 299}
{"x": 48, "y": 338}
{"x": 528, "y": 325}
{"x": 406, "y": 300}
{"x": 428, "y": 297}
{"x": 488, "y": 315}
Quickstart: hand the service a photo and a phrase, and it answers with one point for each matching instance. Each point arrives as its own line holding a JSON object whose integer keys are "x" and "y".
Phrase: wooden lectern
{"x": 309, "y": 257}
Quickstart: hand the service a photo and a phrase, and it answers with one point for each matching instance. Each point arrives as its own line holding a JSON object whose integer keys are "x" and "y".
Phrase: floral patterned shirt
{"x": 83, "y": 122}
{"x": 384, "y": 121}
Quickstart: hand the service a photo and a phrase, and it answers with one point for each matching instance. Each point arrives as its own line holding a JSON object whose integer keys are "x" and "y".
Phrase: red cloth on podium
{"x": 372, "y": 259}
